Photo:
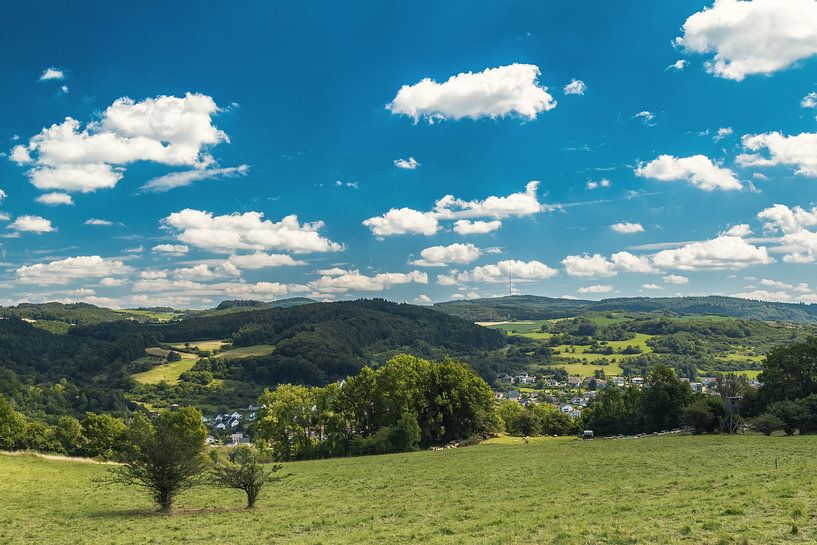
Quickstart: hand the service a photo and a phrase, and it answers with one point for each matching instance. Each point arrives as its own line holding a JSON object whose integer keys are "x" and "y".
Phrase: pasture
{"x": 669, "y": 490}
{"x": 201, "y": 345}
{"x": 169, "y": 371}
{"x": 253, "y": 351}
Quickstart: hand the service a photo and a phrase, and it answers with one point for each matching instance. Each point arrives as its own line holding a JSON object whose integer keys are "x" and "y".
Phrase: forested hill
{"x": 88, "y": 367}
{"x": 531, "y": 307}
{"x": 319, "y": 342}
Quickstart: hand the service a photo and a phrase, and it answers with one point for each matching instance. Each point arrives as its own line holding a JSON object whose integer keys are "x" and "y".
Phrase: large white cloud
{"x": 494, "y": 92}
{"x": 31, "y": 224}
{"x": 167, "y": 130}
{"x": 203, "y": 272}
{"x": 401, "y": 221}
{"x": 698, "y": 170}
{"x": 476, "y": 227}
{"x": 797, "y": 243}
{"x": 343, "y": 281}
{"x": 398, "y": 221}
{"x": 799, "y": 151}
{"x": 723, "y": 252}
{"x": 70, "y": 269}
{"x": 752, "y": 37}
{"x": 247, "y": 231}
{"x": 780, "y": 217}
{"x": 440, "y": 256}
{"x": 501, "y": 272}
{"x": 598, "y": 266}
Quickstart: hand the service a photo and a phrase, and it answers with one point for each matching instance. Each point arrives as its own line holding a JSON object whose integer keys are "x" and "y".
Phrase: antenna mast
{"x": 510, "y": 279}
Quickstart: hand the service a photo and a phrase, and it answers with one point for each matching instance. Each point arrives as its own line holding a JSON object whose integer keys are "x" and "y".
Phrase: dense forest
{"x": 88, "y": 368}
{"x": 531, "y": 307}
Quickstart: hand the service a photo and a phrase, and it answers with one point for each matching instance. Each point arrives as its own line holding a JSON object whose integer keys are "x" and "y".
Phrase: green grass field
{"x": 202, "y": 345}
{"x": 168, "y": 372}
{"x": 247, "y": 352}
{"x": 659, "y": 490}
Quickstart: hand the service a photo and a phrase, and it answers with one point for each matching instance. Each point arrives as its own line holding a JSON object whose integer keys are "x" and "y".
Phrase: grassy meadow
{"x": 168, "y": 371}
{"x": 201, "y": 345}
{"x": 254, "y": 351}
{"x": 667, "y": 490}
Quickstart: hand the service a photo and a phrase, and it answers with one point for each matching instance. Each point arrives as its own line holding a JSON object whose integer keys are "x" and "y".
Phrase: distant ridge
{"x": 533, "y": 307}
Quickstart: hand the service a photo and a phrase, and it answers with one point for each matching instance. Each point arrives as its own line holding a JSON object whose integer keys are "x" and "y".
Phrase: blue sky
{"x": 681, "y": 160}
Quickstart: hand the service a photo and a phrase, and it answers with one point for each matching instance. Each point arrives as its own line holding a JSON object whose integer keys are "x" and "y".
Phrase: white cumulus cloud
{"x": 167, "y": 130}
{"x": 575, "y": 87}
{"x": 440, "y": 256}
{"x": 477, "y": 227}
{"x": 627, "y": 228}
{"x": 721, "y": 253}
{"x": 70, "y": 269}
{"x": 494, "y": 92}
{"x": 597, "y": 288}
{"x": 247, "y": 231}
{"x": 398, "y": 221}
{"x": 54, "y": 199}
{"x": 698, "y": 170}
{"x": 799, "y": 151}
{"x": 407, "y": 164}
{"x": 31, "y": 224}
{"x": 752, "y": 37}
{"x": 52, "y": 73}
{"x": 516, "y": 270}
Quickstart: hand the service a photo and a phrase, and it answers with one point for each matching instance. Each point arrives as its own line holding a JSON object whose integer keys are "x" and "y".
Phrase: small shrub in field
{"x": 242, "y": 470}
{"x": 766, "y": 424}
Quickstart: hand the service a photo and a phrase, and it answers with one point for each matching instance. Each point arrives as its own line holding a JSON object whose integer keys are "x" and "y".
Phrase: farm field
{"x": 246, "y": 352}
{"x": 669, "y": 490}
{"x": 201, "y": 345}
{"x": 169, "y": 371}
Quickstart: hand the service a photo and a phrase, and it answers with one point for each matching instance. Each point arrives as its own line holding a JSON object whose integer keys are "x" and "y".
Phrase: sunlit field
{"x": 667, "y": 490}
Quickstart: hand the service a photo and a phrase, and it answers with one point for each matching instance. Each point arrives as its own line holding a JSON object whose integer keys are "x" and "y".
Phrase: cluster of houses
{"x": 232, "y": 427}
{"x": 572, "y": 395}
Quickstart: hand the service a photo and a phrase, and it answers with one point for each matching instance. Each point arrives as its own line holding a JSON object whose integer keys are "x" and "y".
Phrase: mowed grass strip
{"x": 668, "y": 490}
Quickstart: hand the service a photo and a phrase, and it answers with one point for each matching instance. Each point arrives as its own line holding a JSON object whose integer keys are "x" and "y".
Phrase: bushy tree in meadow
{"x": 12, "y": 426}
{"x": 165, "y": 456}
{"x": 663, "y": 399}
{"x": 241, "y": 469}
{"x": 68, "y": 434}
{"x": 766, "y": 424}
{"x": 289, "y": 421}
{"x": 615, "y": 411}
{"x": 790, "y": 372}
{"x": 790, "y": 413}
{"x": 704, "y": 415}
{"x": 102, "y": 435}
{"x": 378, "y": 411}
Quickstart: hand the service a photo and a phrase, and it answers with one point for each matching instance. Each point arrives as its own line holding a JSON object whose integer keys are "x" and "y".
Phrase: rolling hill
{"x": 532, "y": 307}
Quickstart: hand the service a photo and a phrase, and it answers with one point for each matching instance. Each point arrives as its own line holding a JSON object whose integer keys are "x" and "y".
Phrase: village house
{"x": 524, "y": 379}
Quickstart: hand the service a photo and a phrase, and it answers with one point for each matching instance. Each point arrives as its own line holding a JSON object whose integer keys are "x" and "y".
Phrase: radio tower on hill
{"x": 510, "y": 279}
